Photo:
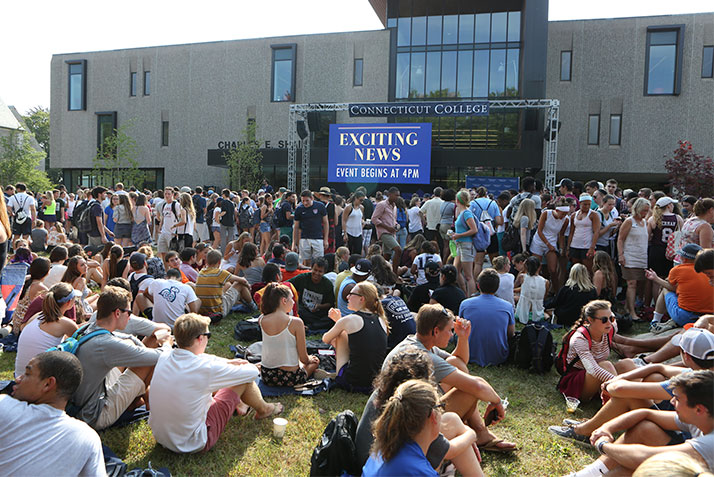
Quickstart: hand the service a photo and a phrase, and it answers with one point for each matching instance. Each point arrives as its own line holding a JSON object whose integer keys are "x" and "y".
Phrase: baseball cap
{"x": 186, "y": 189}
{"x": 565, "y": 182}
{"x": 690, "y": 251}
{"x": 137, "y": 260}
{"x": 362, "y": 267}
{"x": 432, "y": 268}
{"x": 696, "y": 342}
{"x": 665, "y": 201}
{"x": 283, "y": 189}
{"x": 291, "y": 261}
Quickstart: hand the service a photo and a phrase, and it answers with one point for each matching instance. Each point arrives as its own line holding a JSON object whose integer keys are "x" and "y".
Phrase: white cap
{"x": 665, "y": 201}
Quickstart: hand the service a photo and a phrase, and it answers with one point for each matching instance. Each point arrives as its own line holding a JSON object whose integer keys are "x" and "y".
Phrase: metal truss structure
{"x": 299, "y": 112}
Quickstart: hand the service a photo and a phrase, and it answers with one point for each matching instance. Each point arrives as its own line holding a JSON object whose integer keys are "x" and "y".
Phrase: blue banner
{"x": 495, "y": 185}
{"x": 392, "y": 153}
{"x": 426, "y": 108}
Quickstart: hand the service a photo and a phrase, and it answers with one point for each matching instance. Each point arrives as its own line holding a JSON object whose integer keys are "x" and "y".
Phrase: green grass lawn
{"x": 247, "y": 446}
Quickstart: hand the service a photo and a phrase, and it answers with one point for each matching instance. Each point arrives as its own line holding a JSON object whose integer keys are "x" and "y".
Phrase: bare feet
{"x": 271, "y": 410}
{"x": 242, "y": 408}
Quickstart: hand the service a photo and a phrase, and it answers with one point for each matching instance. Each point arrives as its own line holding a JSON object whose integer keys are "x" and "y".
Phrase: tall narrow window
{"x": 566, "y": 58}
{"x": 594, "y": 129}
{"x": 283, "y": 81}
{"x": 663, "y": 62}
{"x": 359, "y": 63}
{"x": 615, "y": 129}
{"x": 147, "y": 83}
{"x": 132, "y": 83}
{"x": 708, "y": 62}
{"x": 106, "y": 125}
{"x": 77, "y": 91}
{"x": 164, "y": 133}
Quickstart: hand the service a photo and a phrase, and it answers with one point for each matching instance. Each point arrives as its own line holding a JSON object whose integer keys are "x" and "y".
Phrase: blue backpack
{"x": 482, "y": 238}
{"x": 72, "y": 344}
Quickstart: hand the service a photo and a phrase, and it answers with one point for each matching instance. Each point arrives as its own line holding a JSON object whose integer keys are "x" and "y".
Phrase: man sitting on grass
{"x": 219, "y": 289}
{"x": 317, "y": 296}
{"x": 645, "y": 387}
{"x": 36, "y": 435}
{"x": 650, "y": 432}
{"x": 434, "y": 327}
{"x": 193, "y": 419}
{"x": 171, "y": 298}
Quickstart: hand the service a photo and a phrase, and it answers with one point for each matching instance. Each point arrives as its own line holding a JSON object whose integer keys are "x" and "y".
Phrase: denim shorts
{"x": 264, "y": 227}
{"x": 680, "y": 316}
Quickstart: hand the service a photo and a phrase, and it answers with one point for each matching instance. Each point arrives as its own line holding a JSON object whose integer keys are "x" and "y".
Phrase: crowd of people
{"x": 137, "y": 278}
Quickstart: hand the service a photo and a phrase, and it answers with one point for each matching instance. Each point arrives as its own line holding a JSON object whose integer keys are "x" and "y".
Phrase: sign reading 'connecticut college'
{"x": 429, "y": 108}
{"x": 391, "y": 153}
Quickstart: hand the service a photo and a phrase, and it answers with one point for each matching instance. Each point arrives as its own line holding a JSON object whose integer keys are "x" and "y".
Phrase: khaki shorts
{"x": 389, "y": 243}
{"x": 311, "y": 249}
{"x": 633, "y": 274}
{"x": 467, "y": 252}
{"x": 119, "y": 396}
{"x": 229, "y": 299}
{"x": 163, "y": 243}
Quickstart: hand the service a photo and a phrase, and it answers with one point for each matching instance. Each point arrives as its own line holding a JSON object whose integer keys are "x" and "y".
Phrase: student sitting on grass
{"x": 644, "y": 387}
{"x": 193, "y": 419}
{"x": 360, "y": 339}
{"x": 218, "y": 289}
{"x": 435, "y": 327}
{"x": 456, "y": 442}
{"x": 285, "y": 360}
{"x": 688, "y": 429}
{"x": 578, "y": 291}
{"x": 532, "y": 292}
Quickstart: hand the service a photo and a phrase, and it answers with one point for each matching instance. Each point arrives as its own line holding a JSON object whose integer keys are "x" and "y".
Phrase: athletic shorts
{"x": 680, "y": 316}
{"x": 24, "y": 228}
{"x": 577, "y": 253}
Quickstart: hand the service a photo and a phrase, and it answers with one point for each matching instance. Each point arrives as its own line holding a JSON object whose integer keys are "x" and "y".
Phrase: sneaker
{"x": 653, "y": 323}
{"x": 572, "y": 422}
{"x": 567, "y": 432}
{"x": 662, "y": 327}
{"x": 322, "y": 374}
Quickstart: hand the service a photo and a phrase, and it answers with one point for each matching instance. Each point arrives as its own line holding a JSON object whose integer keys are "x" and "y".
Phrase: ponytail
{"x": 55, "y": 298}
{"x": 115, "y": 254}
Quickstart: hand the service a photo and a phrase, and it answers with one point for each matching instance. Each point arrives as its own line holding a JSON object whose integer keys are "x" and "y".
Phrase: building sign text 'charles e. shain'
{"x": 391, "y": 153}
{"x": 428, "y": 108}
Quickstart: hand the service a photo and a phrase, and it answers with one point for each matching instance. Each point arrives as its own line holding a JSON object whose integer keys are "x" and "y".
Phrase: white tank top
{"x": 635, "y": 247}
{"x": 354, "y": 223}
{"x": 530, "y": 304}
{"x": 33, "y": 341}
{"x": 279, "y": 350}
{"x": 551, "y": 229}
{"x": 583, "y": 237}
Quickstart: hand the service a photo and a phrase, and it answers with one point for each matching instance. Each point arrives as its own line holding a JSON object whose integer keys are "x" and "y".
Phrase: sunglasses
{"x": 125, "y": 311}
{"x": 353, "y": 294}
{"x": 604, "y": 319}
{"x": 207, "y": 334}
{"x": 440, "y": 406}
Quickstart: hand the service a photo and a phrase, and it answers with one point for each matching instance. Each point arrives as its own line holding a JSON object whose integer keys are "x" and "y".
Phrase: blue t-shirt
{"x": 410, "y": 460}
{"x": 400, "y": 318}
{"x": 341, "y": 302}
{"x": 199, "y": 204}
{"x": 461, "y": 225}
{"x": 490, "y": 317}
{"x": 484, "y": 203}
{"x": 310, "y": 220}
{"x": 110, "y": 218}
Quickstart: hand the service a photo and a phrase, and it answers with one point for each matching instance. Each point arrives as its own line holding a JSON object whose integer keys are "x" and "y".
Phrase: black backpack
{"x": 511, "y": 239}
{"x": 84, "y": 222}
{"x": 135, "y": 283}
{"x": 247, "y": 331}
{"x": 536, "y": 350}
{"x": 336, "y": 452}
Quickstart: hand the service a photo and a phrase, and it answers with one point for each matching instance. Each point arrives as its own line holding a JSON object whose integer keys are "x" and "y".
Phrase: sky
{"x": 32, "y": 32}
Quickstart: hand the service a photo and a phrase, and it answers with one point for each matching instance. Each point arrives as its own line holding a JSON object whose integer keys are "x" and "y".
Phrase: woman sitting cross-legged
{"x": 285, "y": 360}
{"x": 456, "y": 442}
{"x": 360, "y": 339}
{"x": 409, "y": 423}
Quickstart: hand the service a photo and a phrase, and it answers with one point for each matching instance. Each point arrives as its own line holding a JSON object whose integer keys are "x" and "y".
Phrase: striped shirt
{"x": 209, "y": 288}
{"x": 590, "y": 356}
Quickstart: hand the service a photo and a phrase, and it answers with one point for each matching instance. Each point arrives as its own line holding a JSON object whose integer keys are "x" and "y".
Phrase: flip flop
{"x": 277, "y": 409}
{"x": 492, "y": 446}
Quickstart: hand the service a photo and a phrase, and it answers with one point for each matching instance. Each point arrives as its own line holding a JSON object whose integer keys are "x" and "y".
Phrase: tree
{"x": 116, "y": 159}
{"x": 690, "y": 173}
{"x": 37, "y": 121}
{"x": 245, "y": 161}
{"x": 19, "y": 162}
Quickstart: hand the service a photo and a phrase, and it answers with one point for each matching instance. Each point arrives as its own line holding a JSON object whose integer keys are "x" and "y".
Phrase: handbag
{"x": 177, "y": 243}
{"x": 674, "y": 242}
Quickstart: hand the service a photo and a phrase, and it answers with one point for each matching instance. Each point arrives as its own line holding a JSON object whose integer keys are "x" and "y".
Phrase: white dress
{"x": 530, "y": 304}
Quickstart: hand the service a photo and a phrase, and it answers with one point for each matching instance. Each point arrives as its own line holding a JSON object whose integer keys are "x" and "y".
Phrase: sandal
{"x": 493, "y": 446}
{"x": 277, "y": 409}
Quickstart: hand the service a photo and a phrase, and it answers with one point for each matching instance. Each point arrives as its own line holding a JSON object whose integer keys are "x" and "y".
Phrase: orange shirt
{"x": 694, "y": 293}
{"x": 288, "y": 275}
{"x": 258, "y": 296}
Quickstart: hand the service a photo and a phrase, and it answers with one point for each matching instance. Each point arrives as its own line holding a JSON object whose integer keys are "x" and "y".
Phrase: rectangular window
{"x": 147, "y": 83}
{"x": 132, "y": 83}
{"x": 283, "y": 78}
{"x": 164, "y": 133}
{"x": 106, "y": 126}
{"x": 708, "y": 62}
{"x": 566, "y": 67}
{"x": 663, "y": 62}
{"x": 77, "y": 97}
{"x": 359, "y": 63}
{"x": 615, "y": 129}
{"x": 593, "y": 129}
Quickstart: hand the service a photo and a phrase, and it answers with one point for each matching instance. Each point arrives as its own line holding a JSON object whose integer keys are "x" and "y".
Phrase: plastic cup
{"x": 571, "y": 403}
{"x": 279, "y": 425}
{"x": 162, "y": 334}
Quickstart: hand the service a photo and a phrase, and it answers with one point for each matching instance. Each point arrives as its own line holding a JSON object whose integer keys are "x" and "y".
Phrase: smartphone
{"x": 493, "y": 415}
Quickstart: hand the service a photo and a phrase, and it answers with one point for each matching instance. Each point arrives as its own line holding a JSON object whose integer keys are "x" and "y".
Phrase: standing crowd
{"x": 130, "y": 282}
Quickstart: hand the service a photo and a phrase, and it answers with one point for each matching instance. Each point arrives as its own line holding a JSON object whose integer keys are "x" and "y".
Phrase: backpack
{"x": 72, "y": 344}
{"x": 247, "y": 331}
{"x": 135, "y": 283}
{"x": 484, "y": 216}
{"x": 511, "y": 239}
{"x": 279, "y": 219}
{"x": 536, "y": 349}
{"x": 20, "y": 215}
{"x": 336, "y": 452}
{"x": 561, "y": 361}
{"x": 84, "y": 219}
{"x": 482, "y": 239}
{"x": 245, "y": 217}
{"x": 516, "y": 204}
